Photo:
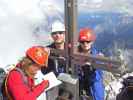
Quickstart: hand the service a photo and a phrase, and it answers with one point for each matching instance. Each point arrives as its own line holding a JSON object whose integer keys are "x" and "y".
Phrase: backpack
{"x": 127, "y": 90}
{"x": 2, "y": 79}
{"x": 3, "y": 85}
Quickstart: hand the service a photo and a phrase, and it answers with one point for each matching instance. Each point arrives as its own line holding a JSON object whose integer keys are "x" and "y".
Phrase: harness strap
{"x": 5, "y": 84}
{"x": 6, "y": 90}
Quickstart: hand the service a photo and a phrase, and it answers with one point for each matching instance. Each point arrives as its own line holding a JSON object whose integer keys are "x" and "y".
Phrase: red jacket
{"x": 21, "y": 91}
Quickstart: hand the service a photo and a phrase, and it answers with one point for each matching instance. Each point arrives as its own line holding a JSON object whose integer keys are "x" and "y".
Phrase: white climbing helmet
{"x": 57, "y": 26}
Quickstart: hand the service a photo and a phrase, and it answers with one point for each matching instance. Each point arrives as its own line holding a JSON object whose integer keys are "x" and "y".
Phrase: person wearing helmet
{"x": 91, "y": 82}
{"x": 19, "y": 84}
{"x": 58, "y": 36}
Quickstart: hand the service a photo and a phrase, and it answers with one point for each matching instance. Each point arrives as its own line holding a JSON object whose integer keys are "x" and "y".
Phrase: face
{"x": 86, "y": 45}
{"x": 32, "y": 69}
{"x": 58, "y": 37}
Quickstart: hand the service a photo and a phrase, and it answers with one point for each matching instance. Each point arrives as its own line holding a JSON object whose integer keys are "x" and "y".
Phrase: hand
{"x": 47, "y": 49}
{"x": 46, "y": 83}
{"x": 100, "y": 54}
{"x": 88, "y": 63}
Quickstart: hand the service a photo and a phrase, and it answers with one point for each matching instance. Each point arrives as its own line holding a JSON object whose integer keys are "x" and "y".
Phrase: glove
{"x": 88, "y": 69}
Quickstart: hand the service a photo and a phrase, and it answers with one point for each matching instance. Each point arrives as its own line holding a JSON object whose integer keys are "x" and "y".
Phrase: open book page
{"x": 53, "y": 81}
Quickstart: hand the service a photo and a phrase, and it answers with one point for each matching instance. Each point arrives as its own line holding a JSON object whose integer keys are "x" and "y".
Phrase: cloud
{"x": 27, "y": 22}
{"x": 19, "y": 20}
{"x": 124, "y": 6}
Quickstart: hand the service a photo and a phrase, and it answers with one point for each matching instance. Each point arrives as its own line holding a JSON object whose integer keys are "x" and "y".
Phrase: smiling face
{"x": 86, "y": 45}
{"x": 58, "y": 37}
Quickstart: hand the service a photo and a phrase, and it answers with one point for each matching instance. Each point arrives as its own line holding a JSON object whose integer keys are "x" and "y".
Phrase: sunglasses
{"x": 59, "y": 32}
{"x": 85, "y": 42}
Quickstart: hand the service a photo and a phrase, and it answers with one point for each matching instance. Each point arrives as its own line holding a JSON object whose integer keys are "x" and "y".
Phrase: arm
{"x": 21, "y": 91}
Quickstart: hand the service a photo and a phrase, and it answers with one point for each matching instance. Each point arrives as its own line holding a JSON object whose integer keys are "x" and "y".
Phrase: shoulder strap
{"x": 5, "y": 83}
{"x": 23, "y": 75}
{"x": 6, "y": 93}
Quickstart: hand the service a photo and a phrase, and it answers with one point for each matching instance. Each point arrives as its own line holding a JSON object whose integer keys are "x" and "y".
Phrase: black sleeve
{"x": 51, "y": 67}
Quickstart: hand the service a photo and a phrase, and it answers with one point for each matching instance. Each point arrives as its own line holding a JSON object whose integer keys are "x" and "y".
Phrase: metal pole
{"x": 71, "y": 29}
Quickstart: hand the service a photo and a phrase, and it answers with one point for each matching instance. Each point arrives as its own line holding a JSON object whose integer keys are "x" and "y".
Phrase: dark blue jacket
{"x": 55, "y": 65}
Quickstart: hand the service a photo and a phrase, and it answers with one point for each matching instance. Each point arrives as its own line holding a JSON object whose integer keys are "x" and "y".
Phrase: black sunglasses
{"x": 59, "y": 32}
{"x": 85, "y": 42}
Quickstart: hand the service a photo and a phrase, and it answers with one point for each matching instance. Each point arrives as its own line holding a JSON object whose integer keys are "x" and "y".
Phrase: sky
{"x": 24, "y": 23}
{"x": 106, "y": 5}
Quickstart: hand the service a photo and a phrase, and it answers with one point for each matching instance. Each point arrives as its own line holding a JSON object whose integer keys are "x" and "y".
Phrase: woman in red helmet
{"x": 91, "y": 82}
{"x": 19, "y": 84}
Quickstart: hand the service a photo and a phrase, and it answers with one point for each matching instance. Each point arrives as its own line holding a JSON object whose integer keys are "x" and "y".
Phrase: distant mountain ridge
{"x": 110, "y": 28}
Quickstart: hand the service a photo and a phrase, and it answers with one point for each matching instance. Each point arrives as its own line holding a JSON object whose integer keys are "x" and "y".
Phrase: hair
{"x": 26, "y": 62}
{"x": 79, "y": 49}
